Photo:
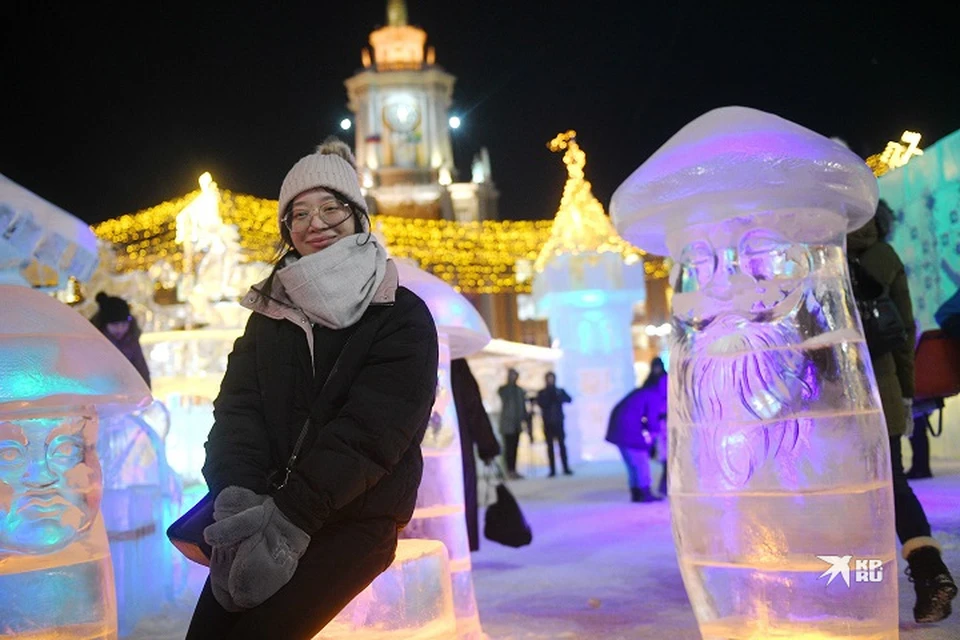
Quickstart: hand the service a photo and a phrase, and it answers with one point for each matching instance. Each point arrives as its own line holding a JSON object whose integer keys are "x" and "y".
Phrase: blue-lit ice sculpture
{"x": 58, "y": 375}
{"x": 779, "y": 456}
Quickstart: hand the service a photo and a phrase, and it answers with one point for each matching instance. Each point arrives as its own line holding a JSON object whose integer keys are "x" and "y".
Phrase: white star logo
{"x": 839, "y": 566}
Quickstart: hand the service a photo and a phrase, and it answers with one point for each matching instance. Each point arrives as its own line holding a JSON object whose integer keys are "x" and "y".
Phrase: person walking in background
{"x": 894, "y": 371}
{"x": 475, "y": 431}
{"x": 113, "y": 319}
{"x": 551, "y": 399}
{"x": 658, "y": 383}
{"x": 513, "y": 413}
{"x": 634, "y": 427}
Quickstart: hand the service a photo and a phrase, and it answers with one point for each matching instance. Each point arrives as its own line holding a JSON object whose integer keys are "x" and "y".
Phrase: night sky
{"x": 111, "y": 110}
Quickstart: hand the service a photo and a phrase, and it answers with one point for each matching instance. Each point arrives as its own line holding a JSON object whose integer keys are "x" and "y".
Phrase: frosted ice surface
{"x": 57, "y": 375}
{"x": 412, "y": 600}
{"x": 778, "y": 448}
{"x": 50, "y": 354}
{"x": 737, "y": 161}
{"x": 439, "y": 514}
{"x": 453, "y": 314}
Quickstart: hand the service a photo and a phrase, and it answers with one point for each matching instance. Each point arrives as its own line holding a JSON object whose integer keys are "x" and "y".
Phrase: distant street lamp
{"x": 454, "y": 122}
{"x": 345, "y": 124}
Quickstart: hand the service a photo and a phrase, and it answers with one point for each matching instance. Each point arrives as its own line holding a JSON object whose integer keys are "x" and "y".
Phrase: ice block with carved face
{"x": 58, "y": 375}
{"x": 779, "y": 454}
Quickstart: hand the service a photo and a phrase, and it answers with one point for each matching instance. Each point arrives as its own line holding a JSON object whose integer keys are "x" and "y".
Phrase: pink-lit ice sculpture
{"x": 58, "y": 374}
{"x": 440, "y": 500}
{"x": 779, "y": 459}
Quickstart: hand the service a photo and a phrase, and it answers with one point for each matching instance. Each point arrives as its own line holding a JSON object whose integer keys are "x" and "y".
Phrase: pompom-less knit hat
{"x": 332, "y": 166}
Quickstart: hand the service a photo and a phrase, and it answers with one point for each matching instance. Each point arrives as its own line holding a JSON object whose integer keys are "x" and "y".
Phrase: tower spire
{"x": 396, "y": 13}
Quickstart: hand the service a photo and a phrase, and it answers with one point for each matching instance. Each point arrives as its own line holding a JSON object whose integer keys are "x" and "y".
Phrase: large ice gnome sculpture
{"x": 57, "y": 375}
{"x": 780, "y": 485}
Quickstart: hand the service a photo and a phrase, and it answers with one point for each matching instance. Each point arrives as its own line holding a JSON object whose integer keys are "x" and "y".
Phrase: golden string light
{"x": 896, "y": 154}
{"x": 474, "y": 257}
{"x": 581, "y": 226}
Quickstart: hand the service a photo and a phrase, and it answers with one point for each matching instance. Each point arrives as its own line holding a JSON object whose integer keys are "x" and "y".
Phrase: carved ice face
{"x": 740, "y": 371}
{"x": 49, "y": 481}
{"x": 752, "y": 272}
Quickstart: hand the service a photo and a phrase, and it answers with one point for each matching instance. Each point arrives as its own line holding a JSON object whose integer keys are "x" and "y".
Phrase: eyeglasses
{"x": 758, "y": 255}
{"x": 331, "y": 214}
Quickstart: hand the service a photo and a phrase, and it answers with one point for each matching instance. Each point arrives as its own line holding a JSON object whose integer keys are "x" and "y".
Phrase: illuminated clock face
{"x": 401, "y": 116}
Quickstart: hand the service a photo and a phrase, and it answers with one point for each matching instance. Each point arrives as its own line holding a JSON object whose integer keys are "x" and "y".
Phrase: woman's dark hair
{"x": 883, "y": 219}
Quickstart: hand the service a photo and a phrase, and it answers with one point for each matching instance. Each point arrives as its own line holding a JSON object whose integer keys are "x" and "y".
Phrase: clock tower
{"x": 401, "y": 101}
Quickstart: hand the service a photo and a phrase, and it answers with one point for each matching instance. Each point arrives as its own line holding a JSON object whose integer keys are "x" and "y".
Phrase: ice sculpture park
{"x": 775, "y": 421}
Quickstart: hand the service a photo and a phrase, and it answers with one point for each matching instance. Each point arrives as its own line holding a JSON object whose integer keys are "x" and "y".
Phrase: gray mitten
{"x": 267, "y": 559}
{"x": 226, "y": 540}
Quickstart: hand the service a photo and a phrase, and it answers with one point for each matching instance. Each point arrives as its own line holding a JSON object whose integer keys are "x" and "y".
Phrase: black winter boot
{"x": 643, "y": 495}
{"x": 933, "y": 583}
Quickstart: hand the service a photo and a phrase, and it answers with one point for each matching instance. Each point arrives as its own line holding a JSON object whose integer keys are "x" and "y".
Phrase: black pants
{"x": 342, "y": 559}
{"x": 910, "y": 519}
{"x": 510, "y": 443}
{"x": 555, "y": 433}
{"x": 920, "y": 444}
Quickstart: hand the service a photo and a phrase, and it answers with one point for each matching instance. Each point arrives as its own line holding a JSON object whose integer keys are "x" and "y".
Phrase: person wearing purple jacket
{"x": 637, "y": 428}
{"x": 113, "y": 319}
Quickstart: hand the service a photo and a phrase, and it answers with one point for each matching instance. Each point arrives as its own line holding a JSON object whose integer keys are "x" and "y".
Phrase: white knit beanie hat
{"x": 331, "y": 167}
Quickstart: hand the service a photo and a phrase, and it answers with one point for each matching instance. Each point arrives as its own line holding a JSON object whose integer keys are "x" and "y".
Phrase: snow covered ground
{"x": 601, "y": 567}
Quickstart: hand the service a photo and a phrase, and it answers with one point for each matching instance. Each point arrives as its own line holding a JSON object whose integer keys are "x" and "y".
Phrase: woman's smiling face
{"x": 317, "y": 219}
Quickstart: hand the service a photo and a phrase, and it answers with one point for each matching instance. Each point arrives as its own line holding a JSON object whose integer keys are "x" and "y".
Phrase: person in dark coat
{"x": 314, "y": 456}
{"x": 513, "y": 414}
{"x": 475, "y": 432}
{"x": 894, "y": 372}
{"x": 113, "y": 319}
{"x": 551, "y": 399}
{"x": 634, "y": 427}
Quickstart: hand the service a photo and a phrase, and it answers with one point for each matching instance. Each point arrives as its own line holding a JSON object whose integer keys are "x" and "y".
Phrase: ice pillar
{"x": 779, "y": 465}
{"x": 588, "y": 301}
{"x": 587, "y": 282}
{"x": 440, "y": 513}
{"x": 58, "y": 377}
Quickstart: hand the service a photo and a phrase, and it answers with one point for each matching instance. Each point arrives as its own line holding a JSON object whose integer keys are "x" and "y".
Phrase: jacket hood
{"x": 863, "y": 238}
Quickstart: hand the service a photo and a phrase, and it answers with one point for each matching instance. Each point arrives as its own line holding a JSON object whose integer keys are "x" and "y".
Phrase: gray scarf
{"x": 333, "y": 287}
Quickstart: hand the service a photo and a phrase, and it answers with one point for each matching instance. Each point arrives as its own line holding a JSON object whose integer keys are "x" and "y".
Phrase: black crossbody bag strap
{"x": 305, "y": 429}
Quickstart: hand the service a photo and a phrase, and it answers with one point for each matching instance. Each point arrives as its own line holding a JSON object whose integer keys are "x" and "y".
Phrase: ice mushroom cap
{"x": 452, "y": 313}
{"x": 51, "y": 356}
{"x": 734, "y": 162}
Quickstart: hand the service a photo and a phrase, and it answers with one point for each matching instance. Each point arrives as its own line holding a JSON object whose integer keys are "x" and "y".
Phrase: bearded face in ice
{"x": 741, "y": 293}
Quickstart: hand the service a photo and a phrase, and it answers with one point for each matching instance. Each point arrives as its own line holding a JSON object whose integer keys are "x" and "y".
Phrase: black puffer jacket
{"x": 362, "y": 459}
